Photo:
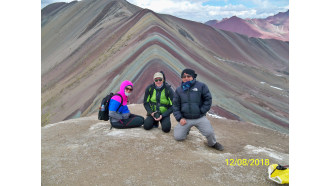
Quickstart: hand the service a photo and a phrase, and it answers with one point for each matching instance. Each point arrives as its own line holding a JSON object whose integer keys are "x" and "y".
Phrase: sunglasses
{"x": 129, "y": 89}
{"x": 188, "y": 76}
{"x": 160, "y": 79}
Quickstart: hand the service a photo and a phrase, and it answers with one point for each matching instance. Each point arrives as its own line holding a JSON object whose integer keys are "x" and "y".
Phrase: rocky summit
{"x": 84, "y": 151}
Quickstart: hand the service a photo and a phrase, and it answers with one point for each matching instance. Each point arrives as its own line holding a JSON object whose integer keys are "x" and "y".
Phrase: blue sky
{"x": 205, "y": 10}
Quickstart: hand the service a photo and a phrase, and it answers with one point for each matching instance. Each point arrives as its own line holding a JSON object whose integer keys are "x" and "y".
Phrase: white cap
{"x": 158, "y": 75}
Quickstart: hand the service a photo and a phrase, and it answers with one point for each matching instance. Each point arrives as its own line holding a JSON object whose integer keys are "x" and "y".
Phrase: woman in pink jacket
{"x": 120, "y": 116}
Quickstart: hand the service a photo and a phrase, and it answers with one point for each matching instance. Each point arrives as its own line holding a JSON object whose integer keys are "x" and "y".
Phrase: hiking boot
{"x": 218, "y": 146}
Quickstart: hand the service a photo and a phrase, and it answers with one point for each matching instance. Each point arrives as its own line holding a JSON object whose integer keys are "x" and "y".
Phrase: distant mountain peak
{"x": 234, "y": 17}
{"x": 211, "y": 22}
{"x": 272, "y": 27}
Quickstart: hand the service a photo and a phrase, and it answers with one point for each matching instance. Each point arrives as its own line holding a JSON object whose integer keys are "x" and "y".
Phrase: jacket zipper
{"x": 189, "y": 103}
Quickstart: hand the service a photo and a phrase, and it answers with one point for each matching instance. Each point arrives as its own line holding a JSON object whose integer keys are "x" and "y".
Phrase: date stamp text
{"x": 247, "y": 162}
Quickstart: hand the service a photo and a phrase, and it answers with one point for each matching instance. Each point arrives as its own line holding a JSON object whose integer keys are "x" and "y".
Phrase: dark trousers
{"x": 131, "y": 122}
{"x": 149, "y": 122}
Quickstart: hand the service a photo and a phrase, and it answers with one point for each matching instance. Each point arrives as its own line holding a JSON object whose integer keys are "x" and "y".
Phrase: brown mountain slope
{"x": 85, "y": 152}
{"x": 90, "y": 47}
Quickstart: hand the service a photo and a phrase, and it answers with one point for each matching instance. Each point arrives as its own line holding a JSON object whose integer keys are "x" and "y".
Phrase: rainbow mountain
{"x": 89, "y": 47}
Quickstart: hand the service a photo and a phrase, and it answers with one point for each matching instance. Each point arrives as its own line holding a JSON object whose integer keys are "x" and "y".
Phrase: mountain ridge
{"x": 272, "y": 27}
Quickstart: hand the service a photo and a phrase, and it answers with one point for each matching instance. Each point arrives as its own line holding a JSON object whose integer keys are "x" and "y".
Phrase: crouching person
{"x": 190, "y": 103}
{"x": 158, "y": 103}
{"x": 119, "y": 114}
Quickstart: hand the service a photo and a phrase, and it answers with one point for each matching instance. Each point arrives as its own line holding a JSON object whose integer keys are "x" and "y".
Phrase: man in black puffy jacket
{"x": 191, "y": 102}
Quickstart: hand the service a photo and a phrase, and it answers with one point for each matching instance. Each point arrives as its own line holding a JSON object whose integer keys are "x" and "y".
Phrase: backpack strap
{"x": 167, "y": 86}
{"x": 151, "y": 91}
{"x": 167, "y": 91}
{"x": 121, "y": 103}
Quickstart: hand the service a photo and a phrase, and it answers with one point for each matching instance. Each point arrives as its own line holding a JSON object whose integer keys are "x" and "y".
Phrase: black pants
{"x": 131, "y": 122}
{"x": 149, "y": 122}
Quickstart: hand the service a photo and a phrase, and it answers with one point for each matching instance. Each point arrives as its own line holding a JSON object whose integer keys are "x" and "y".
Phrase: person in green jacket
{"x": 158, "y": 99}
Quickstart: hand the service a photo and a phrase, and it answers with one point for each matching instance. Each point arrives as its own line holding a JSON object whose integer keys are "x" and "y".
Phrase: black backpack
{"x": 104, "y": 108}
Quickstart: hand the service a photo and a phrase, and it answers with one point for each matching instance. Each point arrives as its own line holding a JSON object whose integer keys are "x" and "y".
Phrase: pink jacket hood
{"x": 123, "y": 85}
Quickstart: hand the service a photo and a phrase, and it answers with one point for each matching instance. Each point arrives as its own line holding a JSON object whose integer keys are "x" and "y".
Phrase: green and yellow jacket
{"x": 159, "y": 99}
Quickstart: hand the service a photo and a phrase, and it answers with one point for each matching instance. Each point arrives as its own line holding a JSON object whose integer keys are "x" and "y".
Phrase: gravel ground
{"x": 84, "y": 151}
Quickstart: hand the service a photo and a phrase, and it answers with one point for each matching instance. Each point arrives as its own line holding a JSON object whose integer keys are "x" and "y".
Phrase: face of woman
{"x": 186, "y": 77}
{"x": 128, "y": 89}
{"x": 158, "y": 81}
